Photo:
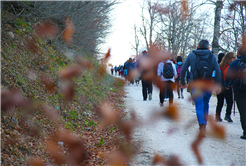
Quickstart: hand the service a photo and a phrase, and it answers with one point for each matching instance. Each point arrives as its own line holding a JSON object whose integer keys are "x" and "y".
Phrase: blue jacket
{"x": 191, "y": 61}
{"x": 233, "y": 68}
{"x": 131, "y": 66}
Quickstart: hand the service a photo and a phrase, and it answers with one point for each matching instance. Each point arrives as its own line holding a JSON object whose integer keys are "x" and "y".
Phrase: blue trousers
{"x": 202, "y": 105}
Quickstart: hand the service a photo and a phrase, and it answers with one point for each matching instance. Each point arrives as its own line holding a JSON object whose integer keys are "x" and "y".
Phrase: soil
{"x": 167, "y": 138}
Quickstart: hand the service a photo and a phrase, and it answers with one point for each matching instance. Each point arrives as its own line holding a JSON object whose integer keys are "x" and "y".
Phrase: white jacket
{"x": 160, "y": 70}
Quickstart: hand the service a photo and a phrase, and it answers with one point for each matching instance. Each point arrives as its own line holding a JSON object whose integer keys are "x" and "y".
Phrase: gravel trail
{"x": 168, "y": 138}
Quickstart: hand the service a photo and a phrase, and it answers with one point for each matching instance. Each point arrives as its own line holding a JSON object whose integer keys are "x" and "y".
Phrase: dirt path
{"x": 173, "y": 138}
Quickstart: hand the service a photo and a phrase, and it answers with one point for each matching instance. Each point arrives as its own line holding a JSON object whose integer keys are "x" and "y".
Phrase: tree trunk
{"x": 217, "y": 18}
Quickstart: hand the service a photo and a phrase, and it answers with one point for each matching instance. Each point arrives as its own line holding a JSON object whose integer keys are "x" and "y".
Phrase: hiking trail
{"x": 166, "y": 137}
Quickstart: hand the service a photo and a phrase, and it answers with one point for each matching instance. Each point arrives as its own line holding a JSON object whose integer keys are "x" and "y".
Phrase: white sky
{"x": 125, "y": 16}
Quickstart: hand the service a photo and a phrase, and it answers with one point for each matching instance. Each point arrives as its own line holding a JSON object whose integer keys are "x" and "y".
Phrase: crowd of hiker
{"x": 123, "y": 70}
{"x": 228, "y": 73}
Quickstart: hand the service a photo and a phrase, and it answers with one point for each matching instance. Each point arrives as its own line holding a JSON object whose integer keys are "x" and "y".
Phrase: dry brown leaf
{"x": 217, "y": 131}
{"x": 48, "y": 82}
{"x": 133, "y": 74}
{"x": 107, "y": 55}
{"x": 127, "y": 126}
{"x": 116, "y": 158}
{"x": 149, "y": 75}
{"x": 67, "y": 89}
{"x": 11, "y": 98}
{"x": 195, "y": 145}
{"x": 35, "y": 161}
{"x": 102, "y": 69}
{"x": 76, "y": 147}
{"x": 51, "y": 113}
{"x": 32, "y": 46}
{"x": 158, "y": 159}
{"x": 70, "y": 72}
{"x": 172, "y": 113}
{"x": 69, "y": 30}
{"x": 46, "y": 29}
{"x": 108, "y": 115}
{"x": 55, "y": 153}
{"x": 173, "y": 160}
{"x": 84, "y": 63}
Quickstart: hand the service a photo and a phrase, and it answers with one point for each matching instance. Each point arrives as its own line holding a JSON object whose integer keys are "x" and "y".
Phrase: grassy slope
{"x": 24, "y": 135}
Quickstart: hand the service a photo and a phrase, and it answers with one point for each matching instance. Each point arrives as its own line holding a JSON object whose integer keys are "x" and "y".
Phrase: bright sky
{"x": 125, "y": 16}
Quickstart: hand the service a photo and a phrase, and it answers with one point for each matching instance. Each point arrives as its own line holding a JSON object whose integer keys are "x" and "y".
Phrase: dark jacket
{"x": 233, "y": 68}
{"x": 191, "y": 61}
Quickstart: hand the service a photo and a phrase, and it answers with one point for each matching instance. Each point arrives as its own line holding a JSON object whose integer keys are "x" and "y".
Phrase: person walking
{"x": 126, "y": 66}
{"x": 224, "y": 94}
{"x": 115, "y": 70}
{"x": 178, "y": 66}
{"x": 167, "y": 73}
{"x": 236, "y": 76}
{"x": 202, "y": 63}
{"x": 119, "y": 69}
{"x": 112, "y": 70}
{"x": 131, "y": 66}
{"x": 147, "y": 86}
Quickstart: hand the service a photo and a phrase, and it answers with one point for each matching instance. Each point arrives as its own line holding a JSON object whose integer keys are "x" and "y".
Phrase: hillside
{"x": 51, "y": 103}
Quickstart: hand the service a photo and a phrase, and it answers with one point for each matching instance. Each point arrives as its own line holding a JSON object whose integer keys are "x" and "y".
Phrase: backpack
{"x": 242, "y": 73}
{"x": 223, "y": 73}
{"x": 203, "y": 67}
{"x": 168, "y": 70}
{"x": 179, "y": 70}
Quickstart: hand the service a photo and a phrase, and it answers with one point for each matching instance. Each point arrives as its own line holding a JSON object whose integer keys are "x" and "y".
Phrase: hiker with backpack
{"x": 126, "y": 66}
{"x": 167, "y": 73}
{"x": 179, "y": 65}
{"x": 202, "y": 63}
{"x": 224, "y": 94}
{"x": 236, "y": 76}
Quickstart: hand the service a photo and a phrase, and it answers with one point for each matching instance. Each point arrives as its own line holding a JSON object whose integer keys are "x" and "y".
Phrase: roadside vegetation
{"x": 50, "y": 102}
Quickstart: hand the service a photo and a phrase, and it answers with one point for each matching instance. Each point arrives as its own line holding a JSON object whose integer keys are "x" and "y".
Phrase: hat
{"x": 179, "y": 59}
{"x": 144, "y": 50}
{"x": 220, "y": 56}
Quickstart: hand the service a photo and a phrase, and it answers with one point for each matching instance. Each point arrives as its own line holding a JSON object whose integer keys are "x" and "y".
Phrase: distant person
{"x": 126, "y": 66}
{"x": 224, "y": 62}
{"x": 131, "y": 66}
{"x": 178, "y": 66}
{"x": 236, "y": 76}
{"x": 119, "y": 69}
{"x": 122, "y": 71}
{"x": 147, "y": 86}
{"x": 115, "y": 70}
{"x": 112, "y": 70}
{"x": 167, "y": 73}
{"x": 202, "y": 63}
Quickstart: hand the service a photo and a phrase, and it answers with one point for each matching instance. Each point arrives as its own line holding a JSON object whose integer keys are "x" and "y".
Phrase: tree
{"x": 181, "y": 27}
{"x": 149, "y": 24}
{"x": 217, "y": 18}
{"x": 90, "y": 18}
{"x": 136, "y": 41}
